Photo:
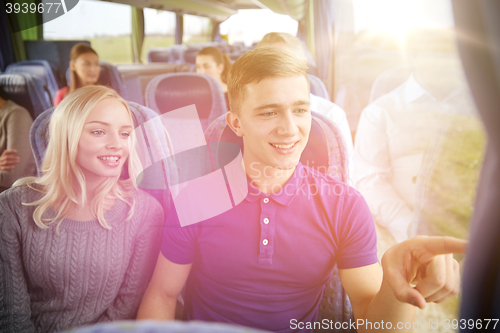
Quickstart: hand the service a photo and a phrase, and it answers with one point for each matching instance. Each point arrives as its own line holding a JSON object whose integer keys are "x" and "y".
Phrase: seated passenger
{"x": 264, "y": 263}
{"x": 292, "y": 44}
{"x": 78, "y": 245}
{"x": 85, "y": 70}
{"x": 16, "y": 159}
{"x": 394, "y": 133}
{"x": 213, "y": 62}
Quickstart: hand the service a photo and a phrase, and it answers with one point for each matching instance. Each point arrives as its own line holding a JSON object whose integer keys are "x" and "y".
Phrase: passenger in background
{"x": 85, "y": 70}
{"x": 395, "y": 131}
{"x": 292, "y": 44}
{"x": 78, "y": 245}
{"x": 213, "y": 62}
{"x": 16, "y": 159}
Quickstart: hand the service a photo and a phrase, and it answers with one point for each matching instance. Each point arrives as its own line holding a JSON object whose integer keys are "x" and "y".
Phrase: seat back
{"x": 42, "y": 70}
{"x": 151, "y": 179}
{"x": 318, "y": 88}
{"x": 109, "y": 77}
{"x": 326, "y": 152}
{"x": 159, "y": 55}
{"x": 172, "y": 91}
{"x": 27, "y": 91}
{"x": 390, "y": 80}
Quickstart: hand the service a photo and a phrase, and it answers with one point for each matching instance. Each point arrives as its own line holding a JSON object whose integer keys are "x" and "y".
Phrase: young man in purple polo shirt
{"x": 265, "y": 262}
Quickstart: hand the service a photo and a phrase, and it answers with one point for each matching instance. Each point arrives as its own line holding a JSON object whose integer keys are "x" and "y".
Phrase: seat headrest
{"x": 159, "y": 55}
{"x": 318, "y": 87}
{"x": 168, "y": 92}
{"x": 42, "y": 70}
{"x": 26, "y": 91}
{"x": 190, "y": 56}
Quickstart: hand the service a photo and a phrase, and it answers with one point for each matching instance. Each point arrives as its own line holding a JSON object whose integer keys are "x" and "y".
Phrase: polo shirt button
{"x": 266, "y": 200}
{"x": 266, "y": 220}
{"x": 265, "y": 242}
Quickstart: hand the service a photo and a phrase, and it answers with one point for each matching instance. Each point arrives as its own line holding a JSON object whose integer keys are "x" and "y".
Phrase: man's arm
{"x": 425, "y": 262}
{"x": 160, "y": 298}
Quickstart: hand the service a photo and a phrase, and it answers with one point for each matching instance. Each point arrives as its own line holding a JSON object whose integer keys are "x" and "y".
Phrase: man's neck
{"x": 267, "y": 179}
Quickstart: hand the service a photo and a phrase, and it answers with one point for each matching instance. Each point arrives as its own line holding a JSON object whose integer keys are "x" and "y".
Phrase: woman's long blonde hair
{"x": 62, "y": 182}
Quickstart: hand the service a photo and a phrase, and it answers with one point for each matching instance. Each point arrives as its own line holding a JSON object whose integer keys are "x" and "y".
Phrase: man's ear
{"x": 234, "y": 123}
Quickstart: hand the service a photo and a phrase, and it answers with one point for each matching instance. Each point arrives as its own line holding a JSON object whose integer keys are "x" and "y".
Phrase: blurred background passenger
{"x": 292, "y": 44}
{"x": 16, "y": 159}
{"x": 213, "y": 62}
{"x": 78, "y": 245}
{"x": 84, "y": 67}
{"x": 397, "y": 131}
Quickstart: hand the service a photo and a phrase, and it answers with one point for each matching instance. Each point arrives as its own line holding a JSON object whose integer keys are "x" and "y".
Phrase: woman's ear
{"x": 234, "y": 123}
{"x": 72, "y": 65}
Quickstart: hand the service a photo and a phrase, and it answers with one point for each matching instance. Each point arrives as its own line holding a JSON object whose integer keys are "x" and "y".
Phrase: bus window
{"x": 419, "y": 143}
{"x": 250, "y": 25}
{"x": 110, "y": 38}
{"x": 159, "y": 30}
{"x": 197, "y": 29}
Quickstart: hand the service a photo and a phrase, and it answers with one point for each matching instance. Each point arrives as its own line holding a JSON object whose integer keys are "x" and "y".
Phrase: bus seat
{"x": 390, "y": 80}
{"x": 326, "y": 152}
{"x": 109, "y": 77}
{"x": 169, "y": 92}
{"x": 177, "y": 53}
{"x": 159, "y": 55}
{"x": 318, "y": 88}
{"x": 150, "y": 178}
{"x": 190, "y": 58}
{"x": 41, "y": 69}
{"x": 27, "y": 91}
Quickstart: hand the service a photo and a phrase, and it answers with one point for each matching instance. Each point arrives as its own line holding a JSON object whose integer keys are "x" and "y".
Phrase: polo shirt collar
{"x": 287, "y": 192}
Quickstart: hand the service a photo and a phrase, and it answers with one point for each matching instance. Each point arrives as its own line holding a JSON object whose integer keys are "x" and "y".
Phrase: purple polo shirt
{"x": 267, "y": 260}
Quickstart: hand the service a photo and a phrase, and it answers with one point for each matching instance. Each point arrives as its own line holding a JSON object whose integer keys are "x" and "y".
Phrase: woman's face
{"x": 87, "y": 68}
{"x": 103, "y": 146}
{"x": 205, "y": 64}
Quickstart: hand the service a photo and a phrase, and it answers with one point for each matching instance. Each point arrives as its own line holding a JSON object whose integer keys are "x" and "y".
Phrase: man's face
{"x": 274, "y": 120}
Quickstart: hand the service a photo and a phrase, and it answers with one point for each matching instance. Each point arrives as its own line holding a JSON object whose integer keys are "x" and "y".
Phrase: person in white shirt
{"x": 394, "y": 133}
{"x": 293, "y": 45}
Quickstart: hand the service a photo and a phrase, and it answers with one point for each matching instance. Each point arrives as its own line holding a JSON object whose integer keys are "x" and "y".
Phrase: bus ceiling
{"x": 220, "y": 10}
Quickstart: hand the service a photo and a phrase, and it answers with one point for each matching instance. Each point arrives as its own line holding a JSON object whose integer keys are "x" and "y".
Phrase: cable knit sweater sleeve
{"x": 15, "y": 311}
{"x": 142, "y": 263}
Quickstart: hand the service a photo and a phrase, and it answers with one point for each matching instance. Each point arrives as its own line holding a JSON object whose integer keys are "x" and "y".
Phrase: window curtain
{"x": 478, "y": 36}
{"x": 137, "y": 33}
{"x": 179, "y": 28}
{"x": 323, "y": 35}
{"x": 7, "y": 55}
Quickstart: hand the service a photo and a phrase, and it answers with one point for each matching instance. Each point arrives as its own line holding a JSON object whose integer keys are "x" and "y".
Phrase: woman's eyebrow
{"x": 106, "y": 124}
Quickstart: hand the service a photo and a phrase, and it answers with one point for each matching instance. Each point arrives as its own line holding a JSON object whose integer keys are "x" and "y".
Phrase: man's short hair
{"x": 259, "y": 64}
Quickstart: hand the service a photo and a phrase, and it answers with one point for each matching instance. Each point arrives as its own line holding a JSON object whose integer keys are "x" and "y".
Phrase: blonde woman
{"x": 77, "y": 245}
